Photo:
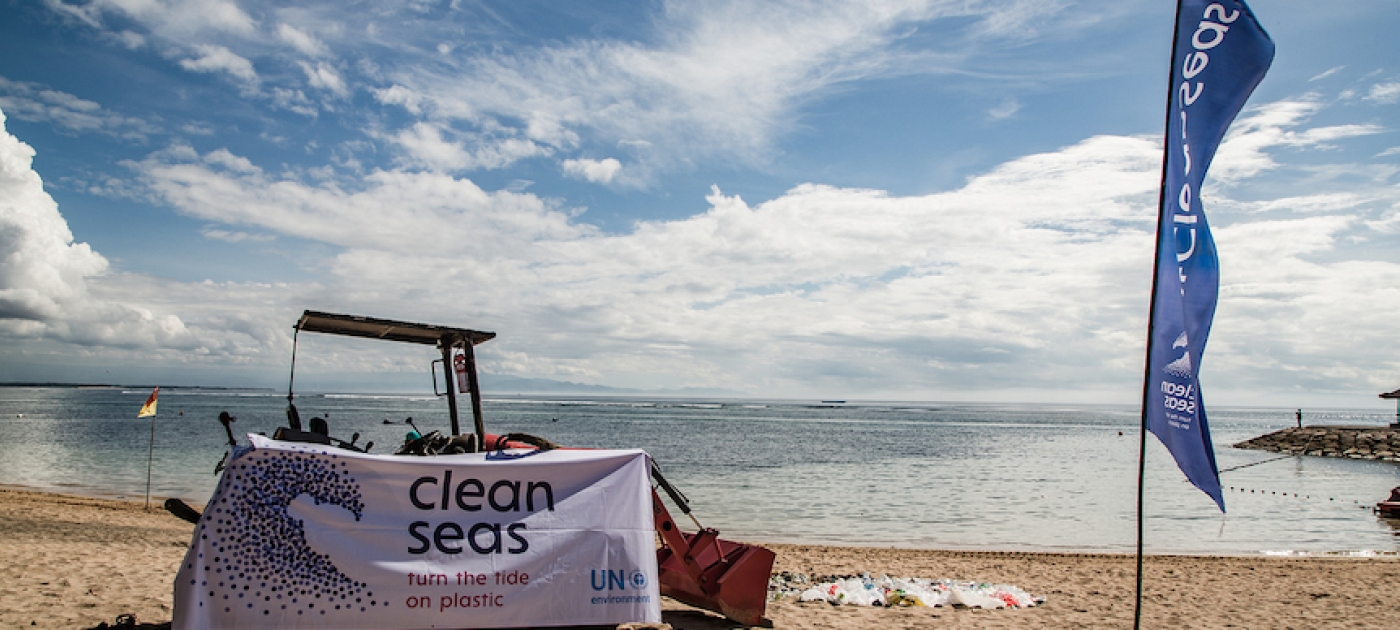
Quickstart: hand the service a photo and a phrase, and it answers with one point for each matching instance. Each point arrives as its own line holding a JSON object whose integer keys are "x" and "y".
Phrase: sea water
{"x": 926, "y": 475}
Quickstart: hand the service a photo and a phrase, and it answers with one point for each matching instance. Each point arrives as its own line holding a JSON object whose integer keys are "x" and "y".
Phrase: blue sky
{"x": 906, "y": 200}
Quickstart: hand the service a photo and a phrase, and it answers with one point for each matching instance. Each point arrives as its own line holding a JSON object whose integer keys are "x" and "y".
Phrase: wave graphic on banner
{"x": 265, "y": 561}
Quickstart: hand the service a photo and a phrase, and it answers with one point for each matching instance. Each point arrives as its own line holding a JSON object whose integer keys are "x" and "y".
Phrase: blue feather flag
{"x": 1220, "y": 54}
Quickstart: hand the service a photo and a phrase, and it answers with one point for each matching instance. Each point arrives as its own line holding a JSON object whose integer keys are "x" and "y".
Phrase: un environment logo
{"x": 617, "y": 579}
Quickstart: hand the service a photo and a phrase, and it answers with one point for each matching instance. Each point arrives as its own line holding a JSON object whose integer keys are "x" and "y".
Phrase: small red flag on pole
{"x": 149, "y": 409}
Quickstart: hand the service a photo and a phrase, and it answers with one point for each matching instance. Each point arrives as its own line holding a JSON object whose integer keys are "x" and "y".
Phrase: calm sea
{"x": 946, "y": 476}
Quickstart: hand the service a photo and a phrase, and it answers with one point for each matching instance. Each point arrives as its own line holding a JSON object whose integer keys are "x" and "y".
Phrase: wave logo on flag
{"x": 149, "y": 409}
{"x": 1220, "y": 54}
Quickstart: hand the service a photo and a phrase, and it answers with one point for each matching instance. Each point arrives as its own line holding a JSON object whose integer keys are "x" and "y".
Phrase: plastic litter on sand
{"x": 863, "y": 590}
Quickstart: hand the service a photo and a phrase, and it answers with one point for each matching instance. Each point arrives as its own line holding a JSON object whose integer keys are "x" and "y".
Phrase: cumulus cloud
{"x": 427, "y": 210}
{"x": 794, "y": 280}
{"x": 598, "y": 171}
{"x": 1034, "y": 273}
{"x": 44, "y": 274}
{"x": 1290, "y": 311}
{"x": 1031, "y": 275}
{"x": 56, "y": 293}
{"x": 42, "y": 267}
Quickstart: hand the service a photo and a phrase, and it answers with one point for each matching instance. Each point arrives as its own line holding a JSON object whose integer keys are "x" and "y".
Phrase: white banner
{"x": 304, "y": 535}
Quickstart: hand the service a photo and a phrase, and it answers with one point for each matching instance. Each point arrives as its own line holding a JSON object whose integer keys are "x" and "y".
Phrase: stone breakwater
{"x": 1380, "y": 443}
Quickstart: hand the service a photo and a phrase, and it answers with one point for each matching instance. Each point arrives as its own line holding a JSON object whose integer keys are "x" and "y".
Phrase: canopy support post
{"x": 475, "y": 388}
{"x": 446, "y": 345}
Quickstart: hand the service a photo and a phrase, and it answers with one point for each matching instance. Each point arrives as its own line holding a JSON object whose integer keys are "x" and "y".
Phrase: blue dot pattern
{"x": 263, "y": 562}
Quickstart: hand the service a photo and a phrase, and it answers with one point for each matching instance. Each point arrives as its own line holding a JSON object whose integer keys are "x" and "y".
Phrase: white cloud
{"x": 293, "y": 100}
{"x": 172, "y": 19}
{"x": 42, "y": 267}
{"x": 1388, "y": 92}
{"x": 719, "y": 79}
{"x": 598, "y": 171}
{"x": 424, "y": 145}
{"x": 1005, "y": 110}
{"x": 235, "y": 163}
{"x": 1329, "y": 72}
{"x": 302, "y": 41}
{"x": 197, "y": 128}
{"x": 426, "y": 210}
{"x": 44, "y": 275}
{"x": 217, "y": 59}
{"x": 1032, "y": 276}
{"x": 713, "y": 79}
{"x": 1243, "y": 153}
{"x": 789, "y": 279}
{"x": 219, "y": 37}
{"x": 323, "y": 76}
{"x": 130, "y": 40}
{"x": 1287, "y": 317}
{"x": 402, "y": 96}
{"x": 34, "y": 102}
{"x": 234, "y": 236}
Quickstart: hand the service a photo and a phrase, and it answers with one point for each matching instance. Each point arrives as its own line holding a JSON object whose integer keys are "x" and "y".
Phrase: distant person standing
{"x": 1299, "y": 413}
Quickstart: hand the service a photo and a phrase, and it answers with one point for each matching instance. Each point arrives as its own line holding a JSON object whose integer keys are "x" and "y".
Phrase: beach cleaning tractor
{"x": 700, "y": 569}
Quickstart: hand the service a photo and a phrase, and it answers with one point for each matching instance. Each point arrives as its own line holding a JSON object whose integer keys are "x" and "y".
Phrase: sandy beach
{"x": 75, "y": 562}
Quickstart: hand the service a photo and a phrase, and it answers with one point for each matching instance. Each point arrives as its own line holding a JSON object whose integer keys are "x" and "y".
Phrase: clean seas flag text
{"x": 1219, "y": 56}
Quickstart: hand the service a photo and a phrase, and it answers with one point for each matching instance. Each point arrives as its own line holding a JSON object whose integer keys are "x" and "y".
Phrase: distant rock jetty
{"x": 1380, "y": 443}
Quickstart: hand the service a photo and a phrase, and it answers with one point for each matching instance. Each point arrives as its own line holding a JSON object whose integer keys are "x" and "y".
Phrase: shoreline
{"x": 72, "y": 561}
{"x": 157, "y": 502}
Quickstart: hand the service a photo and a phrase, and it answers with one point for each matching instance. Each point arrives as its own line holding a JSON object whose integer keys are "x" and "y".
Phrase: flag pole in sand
{"x": 148, "y": 410}
{"x": 1186, "y": 284}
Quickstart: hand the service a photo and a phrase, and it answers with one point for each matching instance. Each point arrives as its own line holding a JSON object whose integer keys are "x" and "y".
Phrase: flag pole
{"x": 150, "y": 458}
{"x": 1152, "y": 312}
{"x": 149, "y": 409}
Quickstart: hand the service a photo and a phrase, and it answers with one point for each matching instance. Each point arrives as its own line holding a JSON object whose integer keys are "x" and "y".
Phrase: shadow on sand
{"x": 676, "y": 619}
